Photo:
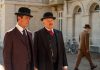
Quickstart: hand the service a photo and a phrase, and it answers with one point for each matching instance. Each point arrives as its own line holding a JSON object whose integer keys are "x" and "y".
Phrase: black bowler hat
{"x": 24, "y": 11}
{"x": 48, "y": 15}
{"x": 87, "y": 26}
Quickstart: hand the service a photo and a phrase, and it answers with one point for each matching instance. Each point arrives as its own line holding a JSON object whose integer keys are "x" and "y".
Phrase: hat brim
{"x": 48, "y": 17}
{"x": 23, "y": 14}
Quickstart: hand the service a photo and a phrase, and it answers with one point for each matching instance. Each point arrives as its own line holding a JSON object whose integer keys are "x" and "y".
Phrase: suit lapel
{"x": 19, "y": 35}
{"x": 44, "y": 34}
{"x": 57, "y": 36}
{"x": 30, "y": 37}
{"x": 45, "y": 37}
{"x": 58, "y": 41}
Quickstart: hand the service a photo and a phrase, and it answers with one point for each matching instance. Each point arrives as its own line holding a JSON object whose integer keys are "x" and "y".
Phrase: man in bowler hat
{"x": 18, "y": 50}
{"x": 49, "y": 51}
{"x": 84, "y": 47}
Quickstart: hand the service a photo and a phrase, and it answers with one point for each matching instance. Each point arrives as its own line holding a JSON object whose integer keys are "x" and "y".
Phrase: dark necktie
{"x": 25, "y": 35}
{"x": 24, "y": 32}
{"x": 51, "y": 33}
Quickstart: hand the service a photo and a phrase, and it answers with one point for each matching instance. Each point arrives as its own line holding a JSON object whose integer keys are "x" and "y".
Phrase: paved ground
{"x": 84, "y": 65}
{"x": 71, "y": 61}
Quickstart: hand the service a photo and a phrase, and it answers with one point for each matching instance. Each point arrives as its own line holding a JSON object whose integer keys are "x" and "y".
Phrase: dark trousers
{"x": 55, "y": 66}
{"x": 81, "y": 55}
{"x": 30, "y": 67}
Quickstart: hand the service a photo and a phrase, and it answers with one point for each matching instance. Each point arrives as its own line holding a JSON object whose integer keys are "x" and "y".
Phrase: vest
{"x": 53, "y": 48}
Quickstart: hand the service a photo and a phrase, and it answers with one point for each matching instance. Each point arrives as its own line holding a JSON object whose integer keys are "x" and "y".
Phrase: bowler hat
{"x": 24, "y": 11}
{"x": 87, "y": 26}
{"x": 48, "y": 15}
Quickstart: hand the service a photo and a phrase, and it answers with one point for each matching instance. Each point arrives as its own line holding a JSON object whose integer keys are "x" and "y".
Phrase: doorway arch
{"x": 76, "y": 22}
{"x": 95, "y": 24}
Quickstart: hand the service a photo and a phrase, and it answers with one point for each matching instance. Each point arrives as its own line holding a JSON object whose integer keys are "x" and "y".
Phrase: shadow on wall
{"x": 1, "y": 67}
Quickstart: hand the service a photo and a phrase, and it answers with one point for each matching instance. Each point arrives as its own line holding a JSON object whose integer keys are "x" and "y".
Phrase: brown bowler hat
{"x": 87, "y": 26}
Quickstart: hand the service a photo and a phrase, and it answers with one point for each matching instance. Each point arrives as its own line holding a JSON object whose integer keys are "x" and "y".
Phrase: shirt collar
{"x": 86, "y": 30}
{"x": 49, "y": 29}
{"x": 19, "y": 28}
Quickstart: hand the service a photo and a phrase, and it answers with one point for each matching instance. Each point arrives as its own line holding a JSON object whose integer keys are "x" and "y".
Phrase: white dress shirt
{"x": 20, "y": 29}
{"x": 49, "y": 29}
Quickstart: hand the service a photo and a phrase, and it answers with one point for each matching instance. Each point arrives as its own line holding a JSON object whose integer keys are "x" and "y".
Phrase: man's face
{"x": 23, "y": 21}
{"x": 48, "y": 23}
{"x": 89, "y": 30}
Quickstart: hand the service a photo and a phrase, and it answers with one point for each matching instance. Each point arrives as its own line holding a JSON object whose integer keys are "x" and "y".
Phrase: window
{"x": 79, "y": 10}
{"x": 97, "y": 8}
{"x": 60, "y": 19}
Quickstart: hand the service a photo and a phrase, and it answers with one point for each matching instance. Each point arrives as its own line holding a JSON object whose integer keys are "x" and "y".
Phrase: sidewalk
{"x": 84, "y": 65}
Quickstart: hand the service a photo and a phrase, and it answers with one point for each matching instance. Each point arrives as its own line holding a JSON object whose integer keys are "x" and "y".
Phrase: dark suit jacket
{"x": 15, "y": 52}
{"x": 42, "y": 50}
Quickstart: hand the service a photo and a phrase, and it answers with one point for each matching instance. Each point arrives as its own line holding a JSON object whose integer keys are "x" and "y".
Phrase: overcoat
{"x": 84, "y": 42}
{"x": 42, "y": 53}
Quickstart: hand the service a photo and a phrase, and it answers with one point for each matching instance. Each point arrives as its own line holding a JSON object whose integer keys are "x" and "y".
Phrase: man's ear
{"x": 43, "y": 21}
{"x": 19, "y": 17}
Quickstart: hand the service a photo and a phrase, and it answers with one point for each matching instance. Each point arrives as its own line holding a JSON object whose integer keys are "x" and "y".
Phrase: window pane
{"x": 97, "y": 7}
{"x": 79, "y": 10}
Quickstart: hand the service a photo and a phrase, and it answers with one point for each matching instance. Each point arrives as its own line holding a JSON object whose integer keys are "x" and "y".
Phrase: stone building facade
{"x": 71, "y": 17}
{"x": 79, "y": 13}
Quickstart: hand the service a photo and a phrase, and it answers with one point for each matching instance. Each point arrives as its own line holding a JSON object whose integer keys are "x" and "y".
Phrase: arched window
{"x": 94, "y": 22}
{"x": 77, "y": 10}
{"x": 76, "y": 21}
{"x": 95, "y": 8}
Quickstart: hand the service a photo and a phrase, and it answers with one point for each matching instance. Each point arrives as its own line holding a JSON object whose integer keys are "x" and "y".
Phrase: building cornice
{"x": 23, "y": 3}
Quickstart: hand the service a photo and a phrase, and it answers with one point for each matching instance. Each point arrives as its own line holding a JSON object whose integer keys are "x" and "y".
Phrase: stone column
{"x": 8, "y": 19}
{"x": 2, "y": 23}
{"x": 65, "y": 21}
{"x": 69, "y": 26}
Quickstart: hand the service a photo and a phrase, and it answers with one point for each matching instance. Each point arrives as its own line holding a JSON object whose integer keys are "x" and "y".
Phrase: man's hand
{"x": 35, "y": 68}
{"x": 65, "y": 68}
